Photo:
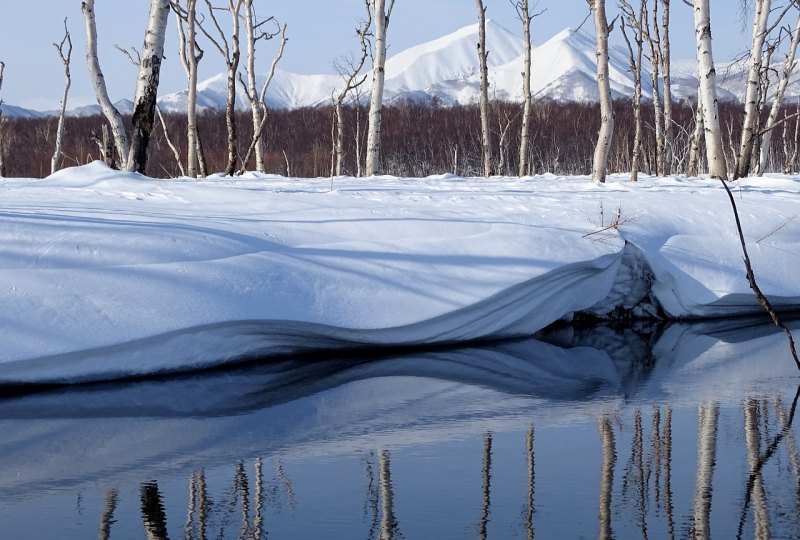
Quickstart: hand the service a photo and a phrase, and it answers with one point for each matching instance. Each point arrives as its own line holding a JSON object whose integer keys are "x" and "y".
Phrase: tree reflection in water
{"x": 635, "y": 500}
{"x": 609, "y": 451}
{"x": 153, "y": 515}
{"x": 434, "y": 442}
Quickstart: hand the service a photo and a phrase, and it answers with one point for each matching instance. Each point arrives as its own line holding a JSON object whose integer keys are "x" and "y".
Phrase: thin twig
{"x": 751, "y": 278}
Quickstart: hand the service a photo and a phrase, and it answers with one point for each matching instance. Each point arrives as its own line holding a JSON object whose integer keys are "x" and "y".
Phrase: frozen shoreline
{"x": 110, "y": 274}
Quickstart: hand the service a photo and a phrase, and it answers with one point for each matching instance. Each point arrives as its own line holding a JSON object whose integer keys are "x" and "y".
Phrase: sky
{"x": 34, "y": 75}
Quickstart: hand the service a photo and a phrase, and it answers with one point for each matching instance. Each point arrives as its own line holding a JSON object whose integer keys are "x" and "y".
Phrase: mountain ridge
{"x": 445, "y": 71}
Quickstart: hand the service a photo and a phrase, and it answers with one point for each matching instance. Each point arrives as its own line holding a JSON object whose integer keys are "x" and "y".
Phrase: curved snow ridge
{"x": 517, "y": 311}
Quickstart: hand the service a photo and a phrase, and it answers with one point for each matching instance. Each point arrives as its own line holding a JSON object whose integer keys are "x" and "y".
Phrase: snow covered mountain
{"x": 445, "y": 71}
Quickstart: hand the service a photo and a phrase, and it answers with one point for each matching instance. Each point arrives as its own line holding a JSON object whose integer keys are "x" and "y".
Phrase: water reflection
{"x": 609, "y": 451}
{"x": 530, "y": 500}
{"x": 153, "y": 514}
{"x": 486, "y": 471}
{"x": 628, "y": 443}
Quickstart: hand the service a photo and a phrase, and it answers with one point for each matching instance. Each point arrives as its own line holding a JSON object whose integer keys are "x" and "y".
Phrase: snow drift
{"x": 110, "y": 274}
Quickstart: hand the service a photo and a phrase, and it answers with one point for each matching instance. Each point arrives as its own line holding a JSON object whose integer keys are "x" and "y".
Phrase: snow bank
{"x": 109, "y": 274}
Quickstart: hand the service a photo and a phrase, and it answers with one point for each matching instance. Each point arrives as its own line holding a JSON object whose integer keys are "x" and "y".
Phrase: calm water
{"x": 681, "y": 432}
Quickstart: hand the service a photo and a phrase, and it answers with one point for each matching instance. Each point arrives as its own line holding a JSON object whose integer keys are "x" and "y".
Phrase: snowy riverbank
{"x": 109, "y": 274}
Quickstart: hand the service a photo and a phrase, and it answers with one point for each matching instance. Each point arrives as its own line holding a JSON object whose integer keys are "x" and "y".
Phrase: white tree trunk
{"x": 111, "y": 113}
{"x": 144, "y": 102}
{"x": 483, "y": 55}
{"x": 376, "y": 101}
{"x": 256, "y": 107}
{"x": 653, "y": 36}
{"x": 666, "y": 75}
{"x": 717, "y": 167}
{"x": 697, "y": 136}
{"x": 634, "y": 22}
{"x": 600, "y": 162}
{"x": 66, "y": 57}
{"x": 524, "y": 13}
{"x": 777, "y": 103}
{"x": 191, "y": 57}
{"x": 260, "y": 99}
{"x": 751, "y": 99}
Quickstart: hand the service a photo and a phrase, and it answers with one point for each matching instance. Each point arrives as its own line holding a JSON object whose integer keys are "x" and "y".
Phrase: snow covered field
{"x": 107, "y": 274}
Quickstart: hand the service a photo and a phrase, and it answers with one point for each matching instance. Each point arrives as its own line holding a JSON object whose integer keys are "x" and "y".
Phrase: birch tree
{"x": 697, "y": 137}
{"x": 749, "y": 127}
{"x": 483, "y": 56}
{"x": 144, "y": 101}
{"x": 111, "y": 113}
{"x": 190, "y": 55}
{"x": 652, "y": 35}
{"x": 600, "y": 161}
{"x": 259, "y": 108}
{"x": 64, "y": 49}
{"x": 717, "y": 167}
{"x": 351, "y": 82}
{"x": 524, "y": 14}
{"x": 631, "y": 20}
{"x": 777, "y": 103}
{"x": 381, "y": 14}
{"x": 230, "y": 51}
{"x": 254, "y": 32}
{"x": 666, "y": 76}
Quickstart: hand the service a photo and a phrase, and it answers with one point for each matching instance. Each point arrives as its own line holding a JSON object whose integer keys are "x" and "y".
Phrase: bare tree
{"x": 635, "y": 22}
{"x": 483, "y": 56}
{"x": 777, "y": 103}
{"x": 666, "y": 76}
{"x": 254, "y": 32}
{"x": 102, "y": 143}
{"x": 111, "y": 113}
{"x": 230, "y": 51}
{"x": 144, "y": 101}
{"x": 524, "y": 14}
{"x": 351, "y": 82}
{"x": 261, "y": 115}
{"x": 750, "y": 125}
{"x": 169, "y": 142}
{"x": 697, "y": 137}
{"x": 652, "y": 35}
{"x": 600, "y": 162}
{"x": 64, "y": 49}
{"x": 717, "y": 167}
{"x": 190, "y": 54}
{"x": 381, "y": 17}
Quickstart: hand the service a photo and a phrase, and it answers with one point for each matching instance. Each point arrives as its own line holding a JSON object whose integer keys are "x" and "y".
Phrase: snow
{"x": 108, "y": 274}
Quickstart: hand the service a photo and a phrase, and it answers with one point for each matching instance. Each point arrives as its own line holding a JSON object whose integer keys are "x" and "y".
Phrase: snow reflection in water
{"x": 681, "y": 431}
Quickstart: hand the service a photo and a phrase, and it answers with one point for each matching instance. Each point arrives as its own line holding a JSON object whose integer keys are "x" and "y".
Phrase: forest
{"x": 418, "y": 140}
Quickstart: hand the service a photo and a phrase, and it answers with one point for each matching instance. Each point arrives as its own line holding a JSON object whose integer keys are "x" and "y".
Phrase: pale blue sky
{"x": 319, "y": 32}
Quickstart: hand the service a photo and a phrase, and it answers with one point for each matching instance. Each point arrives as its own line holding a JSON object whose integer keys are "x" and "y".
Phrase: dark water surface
{"x": 675, "y": 432}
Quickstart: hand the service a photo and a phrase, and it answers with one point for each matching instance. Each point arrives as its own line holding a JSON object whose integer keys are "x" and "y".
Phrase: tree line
{"x": 417, "y": 140}
{"x": 659, "y": 135}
